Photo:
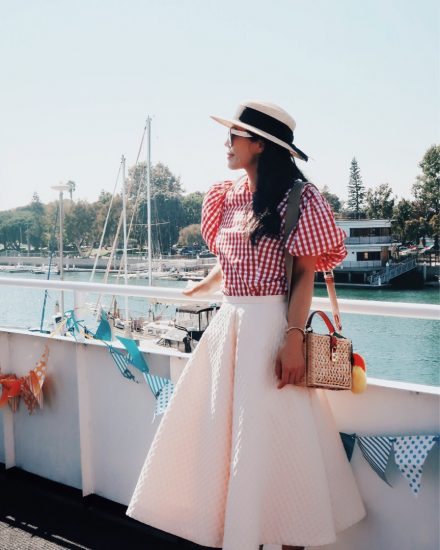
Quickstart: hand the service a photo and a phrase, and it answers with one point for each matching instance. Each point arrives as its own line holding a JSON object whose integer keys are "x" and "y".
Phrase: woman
{"x": 243, "y": 455}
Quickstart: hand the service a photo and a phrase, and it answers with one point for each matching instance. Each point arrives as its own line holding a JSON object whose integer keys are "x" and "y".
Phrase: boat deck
{"x": 90, "y": 441}
{"x": 38, "y": 514}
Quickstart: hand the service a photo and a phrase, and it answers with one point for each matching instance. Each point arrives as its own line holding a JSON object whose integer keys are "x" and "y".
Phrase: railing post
{"x": 84, "y": 413}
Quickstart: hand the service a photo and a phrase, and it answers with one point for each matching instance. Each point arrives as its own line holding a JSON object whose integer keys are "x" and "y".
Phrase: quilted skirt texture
{"x": 237, "y": 462}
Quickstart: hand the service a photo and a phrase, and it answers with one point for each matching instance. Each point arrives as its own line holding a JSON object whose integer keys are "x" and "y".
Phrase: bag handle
{"x": 324, "y": 317}
{"x": 291, "y": 220}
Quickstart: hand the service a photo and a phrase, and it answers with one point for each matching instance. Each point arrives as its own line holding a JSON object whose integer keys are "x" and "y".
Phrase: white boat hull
{"x": 96, "y": 428}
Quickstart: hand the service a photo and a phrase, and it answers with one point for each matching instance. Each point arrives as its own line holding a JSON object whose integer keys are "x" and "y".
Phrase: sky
{"x": 78, "y": 80}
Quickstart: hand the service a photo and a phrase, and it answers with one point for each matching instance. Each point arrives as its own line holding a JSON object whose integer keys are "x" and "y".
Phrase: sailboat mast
{"x": 150, "y": 270}
{"x": 124, "y": 224}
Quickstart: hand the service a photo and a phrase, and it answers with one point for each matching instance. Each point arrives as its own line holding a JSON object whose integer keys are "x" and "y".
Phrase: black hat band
{"x": 267, "y": 124}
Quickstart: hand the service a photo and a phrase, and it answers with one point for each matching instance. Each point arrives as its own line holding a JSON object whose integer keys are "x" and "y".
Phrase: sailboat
{"x": 176, "y": 325}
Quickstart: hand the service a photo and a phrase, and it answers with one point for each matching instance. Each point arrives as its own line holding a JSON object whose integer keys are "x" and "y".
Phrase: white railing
{"x": 363, "y": 307}
{"x": 369, "y": 240}
{"x": 391, "y": 271}
{"x": 361, "y": 264}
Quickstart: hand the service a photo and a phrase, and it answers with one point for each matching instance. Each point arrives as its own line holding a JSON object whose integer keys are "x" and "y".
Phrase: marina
{"x": 404, "y": 350}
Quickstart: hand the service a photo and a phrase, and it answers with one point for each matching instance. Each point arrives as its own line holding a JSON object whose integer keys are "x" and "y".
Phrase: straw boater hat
{"x": 268, "y": 121}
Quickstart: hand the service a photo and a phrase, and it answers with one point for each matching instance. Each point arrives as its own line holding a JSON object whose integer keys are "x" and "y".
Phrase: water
{"x": 394, "y": 348}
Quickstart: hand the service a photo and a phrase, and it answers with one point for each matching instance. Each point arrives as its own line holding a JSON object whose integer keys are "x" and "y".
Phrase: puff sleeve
{"x": 212, "y": 210}
{"x": 316, "y": 233}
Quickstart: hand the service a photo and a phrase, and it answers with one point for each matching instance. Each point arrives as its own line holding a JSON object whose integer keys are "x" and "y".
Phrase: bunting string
{"x": 410, "y": 453}
{"x": 161, "y": 387}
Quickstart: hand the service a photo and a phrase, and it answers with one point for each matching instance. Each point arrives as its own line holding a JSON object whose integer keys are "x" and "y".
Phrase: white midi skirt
{"x": 237, "y": 462}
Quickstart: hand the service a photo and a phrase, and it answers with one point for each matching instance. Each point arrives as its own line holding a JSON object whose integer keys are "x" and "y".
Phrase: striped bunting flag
{"x": 376, "y": 451}
{"x": 121, "y": 361}
{"x": 156, "y": 383}
{"x": 410, "y": 452}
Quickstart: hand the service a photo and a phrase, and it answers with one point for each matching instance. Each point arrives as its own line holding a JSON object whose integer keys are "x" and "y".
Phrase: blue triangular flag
{"x": 348, "y": 440}
{"x": 136, "y": 358}
{"x": 104, "y": 331}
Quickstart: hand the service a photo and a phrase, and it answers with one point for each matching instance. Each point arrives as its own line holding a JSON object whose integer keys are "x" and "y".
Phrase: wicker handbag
{"x": 328, "y": 356}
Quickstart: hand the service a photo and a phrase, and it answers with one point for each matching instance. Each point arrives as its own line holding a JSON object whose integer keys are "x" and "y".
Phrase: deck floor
{"x": 37, "y": 514}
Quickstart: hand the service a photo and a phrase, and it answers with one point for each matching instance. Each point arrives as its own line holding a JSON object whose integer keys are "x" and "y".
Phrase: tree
{"x": 72, "y": 187}
{"x": 356, "y": 190}
{"x": 167, "y": 212}
{"x": 79, "y": 224}
{"x": 162, "y": 180}
{"x": 190, "y": 235}
{"x": 168, "y": 218}
{"x": 192, "y": 207}
{"x": 101, "y": 207}
{"x": 333, "y": 200}
{"x": 403, "y": 212}
{"x": 37, "y": 226}
{"x": 380, "y": 202}
{"x": 426, "y": 190}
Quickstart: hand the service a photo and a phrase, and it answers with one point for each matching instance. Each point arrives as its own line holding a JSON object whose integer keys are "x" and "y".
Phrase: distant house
{"x": 369, "y": 244}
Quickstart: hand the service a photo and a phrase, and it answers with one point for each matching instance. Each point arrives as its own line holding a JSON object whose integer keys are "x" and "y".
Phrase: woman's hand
{"x": 290, "y": 363}
{"x": 210, "y": 284}
{"x": 195, "y": 290}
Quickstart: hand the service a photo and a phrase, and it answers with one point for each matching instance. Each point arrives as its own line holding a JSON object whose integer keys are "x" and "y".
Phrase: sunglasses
{"x": 235, "y": 132}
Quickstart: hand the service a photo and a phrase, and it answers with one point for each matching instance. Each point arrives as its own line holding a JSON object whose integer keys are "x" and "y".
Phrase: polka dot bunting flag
{"x": 410, "y": 452}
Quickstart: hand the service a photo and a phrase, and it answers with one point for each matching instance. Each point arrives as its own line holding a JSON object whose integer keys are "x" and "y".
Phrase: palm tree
{"x": 72, "y": 187}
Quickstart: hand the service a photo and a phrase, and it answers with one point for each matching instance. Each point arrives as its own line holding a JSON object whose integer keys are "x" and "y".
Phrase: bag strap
{"x": 291, "y": 220}
{"x": 331, "y": 290}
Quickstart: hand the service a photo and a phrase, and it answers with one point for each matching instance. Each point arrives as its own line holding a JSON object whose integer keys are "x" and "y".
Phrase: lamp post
{"x": 61, "y": 188}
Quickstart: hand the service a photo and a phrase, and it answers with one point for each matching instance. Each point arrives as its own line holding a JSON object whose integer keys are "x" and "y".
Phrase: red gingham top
{"x": 260, "y": 270}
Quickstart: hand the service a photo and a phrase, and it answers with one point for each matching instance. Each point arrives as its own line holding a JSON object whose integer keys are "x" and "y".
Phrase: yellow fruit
{"x": 359, "y": 380}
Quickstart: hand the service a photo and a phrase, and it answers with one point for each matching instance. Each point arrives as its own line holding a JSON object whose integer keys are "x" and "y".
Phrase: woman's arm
{"x": 290, "y": 362}
{"x": 209, "y": 284}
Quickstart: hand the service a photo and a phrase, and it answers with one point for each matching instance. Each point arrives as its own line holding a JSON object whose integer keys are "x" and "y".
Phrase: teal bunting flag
{"x": 73, "y": 325}
{"x": 104, "y": 331}
{"x": 135, "y": 357}
{"x": 161, "y": 387}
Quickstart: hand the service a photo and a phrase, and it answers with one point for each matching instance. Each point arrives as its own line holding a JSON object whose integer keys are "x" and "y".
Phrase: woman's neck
{"x": 252, "y": 178}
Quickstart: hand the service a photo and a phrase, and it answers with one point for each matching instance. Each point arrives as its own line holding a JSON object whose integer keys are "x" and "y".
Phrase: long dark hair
{"x": 276, "y": 173}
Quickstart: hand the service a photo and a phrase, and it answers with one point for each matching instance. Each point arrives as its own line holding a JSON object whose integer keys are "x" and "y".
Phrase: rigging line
{"x": 128, "y": 190}
{"x": 46, "y": 293}
{"x": 135, "y": 206}
{"x": 138, "y": 194}
{"x": 105, "y": 227}
{"x": 142, "y": 142}
{"x": 108, "y": 267}
{"x": 159, "y": 240}
{"x": 142, "y": 179}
